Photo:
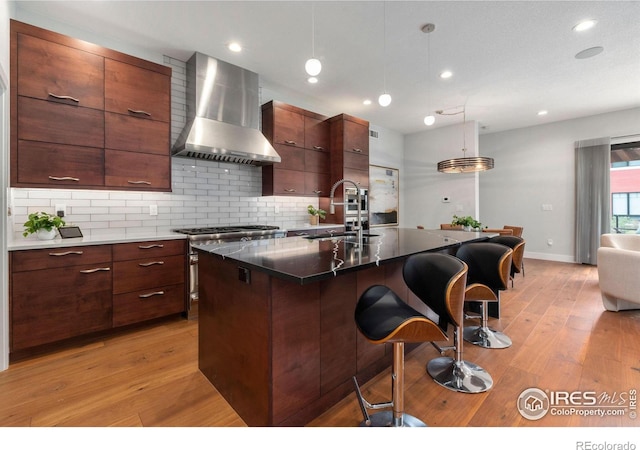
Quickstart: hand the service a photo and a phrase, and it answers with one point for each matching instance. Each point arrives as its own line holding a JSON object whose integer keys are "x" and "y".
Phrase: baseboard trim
{"x": 550, "y": 257}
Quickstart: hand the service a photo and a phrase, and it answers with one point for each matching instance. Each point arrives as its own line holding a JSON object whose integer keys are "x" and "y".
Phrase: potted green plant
{"x": 314, "y": 213}
{"x": 468, "y": 223}
{"x": 44, "y": 225}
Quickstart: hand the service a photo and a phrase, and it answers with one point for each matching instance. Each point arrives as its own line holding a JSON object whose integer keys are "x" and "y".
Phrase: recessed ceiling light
{"x": 543, "y": 113}
{"x": 589, "y": 53}
{"x": 366, "y": 102}
{"x": 234, "y": 47}
{"x": 312, "y": 80}
{"x": 446, "y": 74}
{"x": 585, "y": 25}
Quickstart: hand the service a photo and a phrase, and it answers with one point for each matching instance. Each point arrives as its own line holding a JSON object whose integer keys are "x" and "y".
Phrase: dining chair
{"x": 448, "y": 226}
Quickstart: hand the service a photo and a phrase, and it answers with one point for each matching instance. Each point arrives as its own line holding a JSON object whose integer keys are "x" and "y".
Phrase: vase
{"x": 46, "y": 235}
{"x": 313, "y": 220}
{"x": 467, "y": 228}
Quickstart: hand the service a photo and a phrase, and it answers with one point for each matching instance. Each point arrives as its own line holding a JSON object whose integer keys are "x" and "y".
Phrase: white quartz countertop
{"x": 18, "y": 242}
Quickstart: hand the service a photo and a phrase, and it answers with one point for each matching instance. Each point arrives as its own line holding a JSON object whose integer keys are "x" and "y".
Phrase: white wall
{"x": 536, "y": 166}
{"x": 6, "y": 10}
{"x": 425, "y": 187}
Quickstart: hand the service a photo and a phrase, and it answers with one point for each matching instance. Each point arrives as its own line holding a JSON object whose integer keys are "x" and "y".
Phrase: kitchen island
{"x": 276, "y": 331}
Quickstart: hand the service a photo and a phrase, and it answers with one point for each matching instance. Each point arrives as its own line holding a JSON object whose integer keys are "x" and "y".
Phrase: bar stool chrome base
{"x": 486, "y": 337}
{"x": 459, "y": 376}
{"x": 385, "y": 419}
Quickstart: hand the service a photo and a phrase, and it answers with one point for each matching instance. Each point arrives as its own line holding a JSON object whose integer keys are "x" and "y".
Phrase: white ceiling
{"x": 510, "y": 59}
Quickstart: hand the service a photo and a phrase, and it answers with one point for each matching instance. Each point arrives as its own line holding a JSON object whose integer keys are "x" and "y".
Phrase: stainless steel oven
{"x": 351, "y": 208}
{"x": 211, "y": 235}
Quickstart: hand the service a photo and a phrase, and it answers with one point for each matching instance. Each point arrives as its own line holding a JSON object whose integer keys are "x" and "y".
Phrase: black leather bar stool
{"x": 454, "y": 373}
{"x": 489, "y": 265}
{"x": 516, "y": 244}
{"x": 382, "y": 316}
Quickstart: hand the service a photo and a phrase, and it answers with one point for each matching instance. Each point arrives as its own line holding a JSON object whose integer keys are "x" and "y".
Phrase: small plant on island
{"x": 42, "y": 221}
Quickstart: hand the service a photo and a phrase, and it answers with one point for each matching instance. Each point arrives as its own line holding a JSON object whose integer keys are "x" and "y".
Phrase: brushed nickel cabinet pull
{"x": 357, "y": 150}
{"x": 317, "y": 192}
{"x": 317, "y": 147}
{"x": 290, "y": 142}
{"x": 97, "y": 269}
{"x": 138, "y": 182}
{"x": 64, "y": 97}
{"x": 51, "y": 177}
{"x": 151, "y": 294}
{"x": 139, "y": 111}
{"x": 152, "y": 263}
{"x": 66, "y": 253}
{"x": 289, "y": 190}
{"x": 145, "y": 247}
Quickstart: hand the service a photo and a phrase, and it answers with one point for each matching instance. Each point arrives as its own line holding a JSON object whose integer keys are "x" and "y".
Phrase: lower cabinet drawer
{"x": 148, "y": 304}
{"x": 138, "y": 274}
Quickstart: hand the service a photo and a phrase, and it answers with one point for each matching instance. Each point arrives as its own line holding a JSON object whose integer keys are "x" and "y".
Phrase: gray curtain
{"x": 593, "y": 203}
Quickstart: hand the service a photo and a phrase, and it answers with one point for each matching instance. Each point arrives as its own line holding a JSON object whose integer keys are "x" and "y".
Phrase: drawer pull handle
{"x": 66, "y": 253}
{"x": 63, "y": 178}
{"x": 139, "y": 111}
{"x": 64, "y": 97}
{"x": 317, "y": 192}
{"x": 317, "y": 147}
{"x": 290, "y": 142}
{"x": 97, "y": 269}
{"x": 151, "y": 294}
{"x": 146, "y": 247}
{"x": 152, "y": 263}
{"x": 289, "y": 190}
{"x": 357, "y": 150}
{"x": 138, "y": 182}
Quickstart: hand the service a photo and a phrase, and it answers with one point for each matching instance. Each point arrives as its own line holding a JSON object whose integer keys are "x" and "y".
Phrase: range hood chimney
{"x": 223, "y": 115}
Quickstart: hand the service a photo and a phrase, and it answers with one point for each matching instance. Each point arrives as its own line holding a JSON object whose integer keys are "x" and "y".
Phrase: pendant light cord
{"x": 384, "y": 47}
{"x": 313, "y": 31}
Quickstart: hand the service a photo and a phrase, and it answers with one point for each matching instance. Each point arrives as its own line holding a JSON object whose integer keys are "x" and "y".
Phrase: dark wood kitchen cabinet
{"x": 349, "y": 157}
{"x": 58, "y": 294}
{"x": 148, "y": 280}
{"x": 301, "y": 138}
{"x": 73, "y": 104}
{"x": 137, "y": 127}
{"x": 62, "y": 293}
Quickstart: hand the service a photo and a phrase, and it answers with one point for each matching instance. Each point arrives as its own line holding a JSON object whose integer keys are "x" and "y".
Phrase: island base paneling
{"x": 281, "y": 353}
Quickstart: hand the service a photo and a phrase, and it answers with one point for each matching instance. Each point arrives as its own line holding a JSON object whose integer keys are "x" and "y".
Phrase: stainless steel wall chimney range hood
{"x": 223, "y": 115}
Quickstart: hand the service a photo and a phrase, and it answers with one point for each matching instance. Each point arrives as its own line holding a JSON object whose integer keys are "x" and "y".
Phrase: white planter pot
{"x": 45, "y": 235}
{"x": 467, "y": 228}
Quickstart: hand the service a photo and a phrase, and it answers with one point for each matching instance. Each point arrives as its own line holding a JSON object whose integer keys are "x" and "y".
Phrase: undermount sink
{"x": 348, "y": 234}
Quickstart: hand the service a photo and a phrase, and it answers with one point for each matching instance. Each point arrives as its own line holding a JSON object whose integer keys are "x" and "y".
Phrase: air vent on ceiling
{"x": 373, "y": 134}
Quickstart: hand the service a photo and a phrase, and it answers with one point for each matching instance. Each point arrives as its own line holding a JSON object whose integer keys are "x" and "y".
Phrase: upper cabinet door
{"x": 316, "y": 134}
{"x": 288, "y": 127}
{"x": 137, "y": 92}
{"x": 55, "y": 72}
{"x": 356, "y": 137}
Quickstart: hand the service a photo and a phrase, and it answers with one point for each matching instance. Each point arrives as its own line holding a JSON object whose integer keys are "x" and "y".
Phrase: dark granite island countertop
{"x": 276, "y": 335}
{"x": 302, "y": 260}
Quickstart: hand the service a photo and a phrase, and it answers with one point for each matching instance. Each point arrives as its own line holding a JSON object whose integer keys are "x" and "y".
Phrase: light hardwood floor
{"x": 563, "y": 341}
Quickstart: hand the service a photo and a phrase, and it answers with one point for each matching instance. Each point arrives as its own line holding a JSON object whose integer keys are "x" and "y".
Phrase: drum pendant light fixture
{"x": 464, "y": 164}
